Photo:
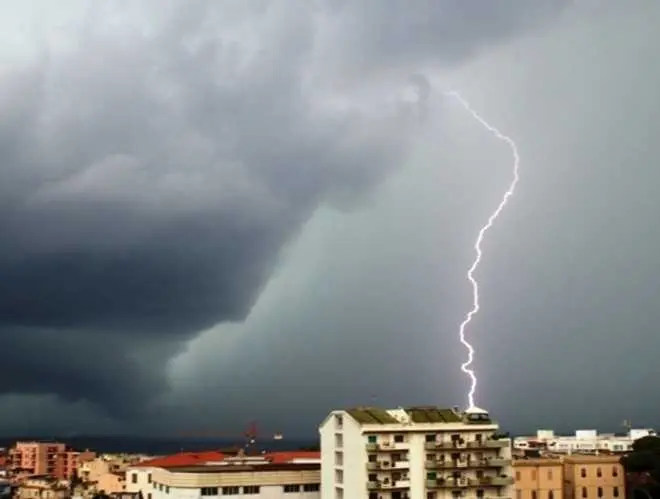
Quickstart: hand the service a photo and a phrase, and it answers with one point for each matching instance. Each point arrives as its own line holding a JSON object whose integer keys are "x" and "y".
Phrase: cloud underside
{"x": 155, "y": 162}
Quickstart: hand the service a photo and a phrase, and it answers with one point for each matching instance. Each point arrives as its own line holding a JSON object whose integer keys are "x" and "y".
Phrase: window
{"x": 615, "y": 491}
{"x": 583, "y": 474}
{"x": 291, "y": 488}
{"x": 533, "y": 494}
{"x": 209, "y": 491}
{"x": 148, "y": 495}
{"x": 600, "y": 491}
{"x": 372, "y": 439}
{"x": 584, "y": 492}
{"x": 231, "y": 491}
{"x": 549, "y": 474}
{"x": 251, "y": 489}
{"x": 133, "y": 477}
{"x": 551, "y": 494}
{"x": 431, "y": 475}
{"x": 398, "y": 439}
{"x": 149, "y": 478}
{"x": 312, "y": 487}
{"x": 429, "y": 437}
{"x": 518, "y": 476}
{"x": 373, "y": 495}
{"x": 615, "y": 471}
{"x": 480, "y": 493}
{"x": 518, "y": 494}
{"x": 167, "y": 489}
{"x": 533, "y": 474}
{"x": 431, "y": 495}
{"x": 599, "y": 472}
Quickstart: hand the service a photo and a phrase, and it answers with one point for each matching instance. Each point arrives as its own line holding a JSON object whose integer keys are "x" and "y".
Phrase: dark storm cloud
{"x": 149, "y": 178}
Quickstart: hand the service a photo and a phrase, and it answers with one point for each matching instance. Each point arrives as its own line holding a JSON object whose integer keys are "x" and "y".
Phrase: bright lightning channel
{"x": 465, "y": 367}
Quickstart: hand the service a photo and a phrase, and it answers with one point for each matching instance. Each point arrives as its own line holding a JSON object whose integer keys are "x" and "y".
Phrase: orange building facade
{"x": 45, "y": 458}
{"x": 594, "y": 477}
{"x": 538, "y": 479}
{"x": 570, "y": 477}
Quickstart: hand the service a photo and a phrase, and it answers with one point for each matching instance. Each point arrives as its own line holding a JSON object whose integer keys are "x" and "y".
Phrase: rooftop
{"x": 267, "y": 467}
{"x": 213, "y": 459}
{"x": 418, "y": 414}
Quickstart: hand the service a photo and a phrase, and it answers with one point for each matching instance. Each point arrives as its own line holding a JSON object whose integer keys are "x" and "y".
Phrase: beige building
{"x": 538, "y": 479}
{"x": 593, "y": 477}
{"x": 111, "y": 482}
{"x": 416, "y": 452}
{"x": 42, "y": 487}
{"x": 254, "y": 479}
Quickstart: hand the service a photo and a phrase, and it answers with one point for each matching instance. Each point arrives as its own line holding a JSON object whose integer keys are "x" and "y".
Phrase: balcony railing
{"x": 447, "y": 445}
{"x": 501, "y": 481}
{"x": 497, "y": 444}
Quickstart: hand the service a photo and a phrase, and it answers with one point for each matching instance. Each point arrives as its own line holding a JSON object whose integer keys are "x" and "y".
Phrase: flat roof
{"x": 417, "y": 414}
{"x": 237, "y": 468}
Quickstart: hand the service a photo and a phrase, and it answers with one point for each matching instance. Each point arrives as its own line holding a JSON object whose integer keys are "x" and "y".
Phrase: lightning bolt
{"x": 465, "y": 367}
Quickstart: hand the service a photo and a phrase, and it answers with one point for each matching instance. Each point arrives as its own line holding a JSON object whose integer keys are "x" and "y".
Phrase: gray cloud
{"x": 367, "y": 305}
{"x": 155, "y": 163}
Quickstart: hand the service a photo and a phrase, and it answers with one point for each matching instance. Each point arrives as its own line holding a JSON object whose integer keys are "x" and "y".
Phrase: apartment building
{"x": 45, "y": 458}
{"x": 538, "y": 478}
{"x": 413, "y": 453}
{"x": 278, "y": 475}
{"x": 594, "y": 477}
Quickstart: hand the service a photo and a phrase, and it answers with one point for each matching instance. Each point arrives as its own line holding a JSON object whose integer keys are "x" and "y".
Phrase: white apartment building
{"x": 210, "y": 475}
{"x": 413, "y": 453}
{"x": 583, "y": 442}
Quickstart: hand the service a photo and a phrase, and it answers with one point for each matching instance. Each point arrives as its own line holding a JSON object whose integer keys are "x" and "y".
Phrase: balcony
{"x": 448, "y": 483}
{"x": 372, "y": 447}
{"x": 502, "y": 481}
{"x": 446, "y": 445}
{"x": 447, "y": 465}
{"x": 401, "y": 465}
{"x": 497, "y": 462}
{"x": 497, "y": 444}
{"x": 389, "y": 484}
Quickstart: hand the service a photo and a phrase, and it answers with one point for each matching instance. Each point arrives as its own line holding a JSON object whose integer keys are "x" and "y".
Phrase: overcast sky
{"x": 213, "y": 212}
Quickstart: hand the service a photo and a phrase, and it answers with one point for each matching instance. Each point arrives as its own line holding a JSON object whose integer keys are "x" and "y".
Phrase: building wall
{"x": 539, "y": 479}
{"x": 45, "y": 458}
{"x": 265, "y": 492}
{"x": 594, "y": 477}
{"x": 111, "y": 483}
{"x": 139, "y": 479}
{"x": 404, "y": 463}
{"x": 254, "y": 484}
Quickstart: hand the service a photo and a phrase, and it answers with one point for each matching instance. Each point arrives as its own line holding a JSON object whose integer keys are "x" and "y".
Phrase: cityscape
{"x": 326, "y": 217}
{"x": 363, "y": 453}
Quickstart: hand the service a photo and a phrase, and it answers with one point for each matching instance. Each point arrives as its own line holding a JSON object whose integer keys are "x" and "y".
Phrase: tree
{"x": 642, "y": 467}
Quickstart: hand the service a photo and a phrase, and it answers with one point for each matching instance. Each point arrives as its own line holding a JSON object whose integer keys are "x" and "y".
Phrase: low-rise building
{"x": 594, "y": 477}
{"x": 210, "y": 474}
{"x": 583, "y": 442}
{"x": 113, "y": 482}
{"x": 42, "y": 487}
{"x": 538, "y": 478}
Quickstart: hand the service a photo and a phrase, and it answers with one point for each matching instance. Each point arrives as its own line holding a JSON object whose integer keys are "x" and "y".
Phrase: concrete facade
{"x": 419, "y": 452}
{"x": 538, "y": 479}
